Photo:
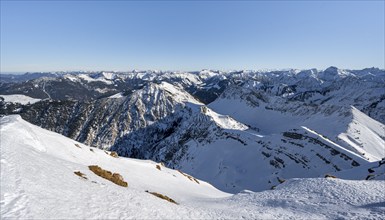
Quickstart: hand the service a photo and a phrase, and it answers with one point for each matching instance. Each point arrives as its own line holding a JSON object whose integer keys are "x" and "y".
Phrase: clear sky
{"x": 171, "y": 35}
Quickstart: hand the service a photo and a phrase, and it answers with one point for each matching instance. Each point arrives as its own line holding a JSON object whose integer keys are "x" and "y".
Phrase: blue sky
{"x": 171, "y": 35}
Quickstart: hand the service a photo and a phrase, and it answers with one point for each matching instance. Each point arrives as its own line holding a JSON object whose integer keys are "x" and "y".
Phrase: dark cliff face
{"x": 87, "y": 122}
{"x": 101, "y": 122}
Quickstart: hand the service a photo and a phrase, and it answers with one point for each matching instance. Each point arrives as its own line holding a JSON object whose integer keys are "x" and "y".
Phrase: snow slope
{"x": 345, "y": 126}
{"x": 22, "y": 99}
{"x": 38, "y": 182}
{"x": 38, "y": 179}
{"x": 365, "y": 135}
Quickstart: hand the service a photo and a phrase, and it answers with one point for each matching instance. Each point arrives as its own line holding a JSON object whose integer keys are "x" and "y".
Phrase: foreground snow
{"x": 38, "y": 181}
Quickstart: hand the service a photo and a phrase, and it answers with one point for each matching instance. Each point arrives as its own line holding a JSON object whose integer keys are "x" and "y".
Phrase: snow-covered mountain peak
{"x": 109, "y": 75}
{"x": 205, "y": 74}
{"x": 332, "y": 73}
{"x": 156, "y": 94}
{"x": 223, "y": 121}
{"x": 177, "y": 93}
{"x": 307, "y": 73}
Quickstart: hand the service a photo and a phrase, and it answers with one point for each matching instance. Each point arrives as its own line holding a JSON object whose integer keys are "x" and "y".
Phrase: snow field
{"x": 22, "y": 99}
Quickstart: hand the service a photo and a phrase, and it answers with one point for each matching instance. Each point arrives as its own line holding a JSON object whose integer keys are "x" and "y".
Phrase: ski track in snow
{"x": 49, "y": 96}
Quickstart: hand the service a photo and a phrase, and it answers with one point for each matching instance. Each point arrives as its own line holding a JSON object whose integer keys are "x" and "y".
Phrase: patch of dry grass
{"x": 77, "y": 145}
{"x": 369, "y": 177}
{"x": 163, "y": 197}
{"x": 114, "y": 154}
{"x": 191, "y": 178}
{"x": 113, "y": 177}
{"x": 280, "y": 180}
{"x": 158, "y": 167}
{"x": 330, "y": 176}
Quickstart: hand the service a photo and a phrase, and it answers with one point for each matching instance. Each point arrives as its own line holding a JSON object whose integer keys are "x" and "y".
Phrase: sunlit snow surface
{"x": 37, "y": 182}
{"x": 356, "y": 132}
{"x": 116, "y": 96}
{"x": 22, "y": 99}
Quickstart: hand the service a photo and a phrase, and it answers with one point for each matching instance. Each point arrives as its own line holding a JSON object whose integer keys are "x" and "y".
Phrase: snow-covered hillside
{"x": 38, "y": 182}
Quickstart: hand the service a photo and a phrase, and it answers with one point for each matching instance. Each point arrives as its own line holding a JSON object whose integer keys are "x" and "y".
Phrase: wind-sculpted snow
{"x": 39, "y": 181}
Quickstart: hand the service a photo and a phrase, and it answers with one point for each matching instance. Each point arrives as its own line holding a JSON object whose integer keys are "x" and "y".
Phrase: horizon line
{"x": 160, "y": 70}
